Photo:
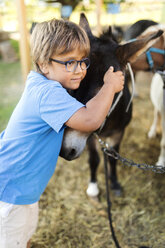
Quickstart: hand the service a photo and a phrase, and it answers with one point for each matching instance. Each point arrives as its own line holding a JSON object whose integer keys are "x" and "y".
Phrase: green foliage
{"x": 15, "y": 45}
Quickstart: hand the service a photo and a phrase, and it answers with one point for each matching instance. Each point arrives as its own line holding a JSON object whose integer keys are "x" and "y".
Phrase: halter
{"x": 154, "y": 50}
{"x": 149, "y": 56}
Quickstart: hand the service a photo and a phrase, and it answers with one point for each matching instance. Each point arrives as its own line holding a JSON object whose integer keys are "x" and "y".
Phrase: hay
{"x": 68, "y": 219}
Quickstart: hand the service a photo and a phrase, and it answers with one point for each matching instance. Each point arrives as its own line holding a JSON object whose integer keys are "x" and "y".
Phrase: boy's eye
{"x": 71, "y": 65}
{"x": 71, "y": 62}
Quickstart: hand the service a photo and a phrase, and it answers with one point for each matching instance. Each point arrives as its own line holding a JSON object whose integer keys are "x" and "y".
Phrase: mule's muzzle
{"x": 69, "y": 154}
{"x": 73, "y": 144}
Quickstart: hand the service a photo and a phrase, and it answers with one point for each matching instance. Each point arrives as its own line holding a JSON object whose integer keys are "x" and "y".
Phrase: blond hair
{"x": 57, "y": 37}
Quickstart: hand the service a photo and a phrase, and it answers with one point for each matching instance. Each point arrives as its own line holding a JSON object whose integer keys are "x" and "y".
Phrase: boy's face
{"x": 58, "y": 72}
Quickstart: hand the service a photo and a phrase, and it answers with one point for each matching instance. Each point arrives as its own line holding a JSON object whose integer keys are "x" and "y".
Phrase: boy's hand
{"x": 116, "y": 79}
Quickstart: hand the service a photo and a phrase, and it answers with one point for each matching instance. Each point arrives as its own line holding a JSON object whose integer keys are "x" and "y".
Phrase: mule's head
{"x": 105, "y": 52}
{"x": 158, "y": 59}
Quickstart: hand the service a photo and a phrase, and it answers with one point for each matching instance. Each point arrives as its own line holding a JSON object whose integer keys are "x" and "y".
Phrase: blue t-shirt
{"x": 31, "y": 142}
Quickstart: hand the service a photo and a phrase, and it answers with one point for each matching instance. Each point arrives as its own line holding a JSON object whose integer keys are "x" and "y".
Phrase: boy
{"x": 30, "y": 145}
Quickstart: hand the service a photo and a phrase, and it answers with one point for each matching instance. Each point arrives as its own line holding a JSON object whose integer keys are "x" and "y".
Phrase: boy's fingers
{"x": 111, "y": 69}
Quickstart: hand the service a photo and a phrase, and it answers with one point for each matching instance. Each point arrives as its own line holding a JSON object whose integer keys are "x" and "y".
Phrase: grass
{"x": 11, "y": 85}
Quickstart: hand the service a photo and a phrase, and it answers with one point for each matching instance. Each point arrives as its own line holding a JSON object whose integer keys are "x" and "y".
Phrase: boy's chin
{"x": 75, "y": 86}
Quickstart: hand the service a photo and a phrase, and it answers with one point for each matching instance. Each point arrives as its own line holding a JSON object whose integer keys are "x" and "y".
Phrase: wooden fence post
{"x": 24, "y": 39}
{"x": 98, "y": 14}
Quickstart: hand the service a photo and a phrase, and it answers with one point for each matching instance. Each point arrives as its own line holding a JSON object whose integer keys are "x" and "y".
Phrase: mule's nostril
{"x": 72, "y": 152}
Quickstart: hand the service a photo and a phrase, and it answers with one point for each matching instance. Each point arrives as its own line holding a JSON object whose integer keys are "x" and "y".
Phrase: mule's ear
{"x": 85, "y": 25}
{"x": 109, "y": 31}
{"x": 130, "y": 51}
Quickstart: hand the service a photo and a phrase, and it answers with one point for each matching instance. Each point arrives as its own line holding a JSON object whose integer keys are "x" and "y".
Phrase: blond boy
{"x": 31, "y": 142}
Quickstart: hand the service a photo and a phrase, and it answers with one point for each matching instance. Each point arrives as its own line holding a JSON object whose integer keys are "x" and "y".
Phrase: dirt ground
{"x": 69, "y": 219}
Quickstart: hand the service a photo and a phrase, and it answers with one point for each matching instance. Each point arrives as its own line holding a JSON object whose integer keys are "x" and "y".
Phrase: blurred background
{"x": 68, "y": 219}
{"x": 118, "y": 12}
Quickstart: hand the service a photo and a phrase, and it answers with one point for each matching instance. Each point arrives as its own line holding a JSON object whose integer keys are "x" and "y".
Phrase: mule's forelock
{"x": 108, "y": 35}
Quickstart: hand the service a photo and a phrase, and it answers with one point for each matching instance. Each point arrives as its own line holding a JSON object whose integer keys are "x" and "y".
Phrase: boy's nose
{"x": 78, "y": 68}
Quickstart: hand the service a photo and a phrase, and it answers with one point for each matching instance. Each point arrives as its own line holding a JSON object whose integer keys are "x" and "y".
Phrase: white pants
{"x": 17, "y": 224}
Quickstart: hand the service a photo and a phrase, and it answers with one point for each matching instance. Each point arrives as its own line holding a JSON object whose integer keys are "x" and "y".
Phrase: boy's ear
{"x": 43, "y": 67}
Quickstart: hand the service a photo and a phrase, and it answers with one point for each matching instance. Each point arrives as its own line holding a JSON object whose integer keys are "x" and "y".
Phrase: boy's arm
{"x": 90, "y": 118}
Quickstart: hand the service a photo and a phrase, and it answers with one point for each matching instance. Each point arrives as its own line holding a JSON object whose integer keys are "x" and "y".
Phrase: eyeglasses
{"x": 72, "y": 64}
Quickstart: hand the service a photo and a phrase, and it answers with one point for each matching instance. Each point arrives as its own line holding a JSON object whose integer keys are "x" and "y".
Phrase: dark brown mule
{"x": 105, "y": 52}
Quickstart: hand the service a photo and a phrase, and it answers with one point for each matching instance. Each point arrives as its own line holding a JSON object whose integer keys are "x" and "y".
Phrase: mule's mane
{"x": 107, "y": 35}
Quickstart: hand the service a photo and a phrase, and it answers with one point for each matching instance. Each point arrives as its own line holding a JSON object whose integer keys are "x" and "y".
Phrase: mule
{"x": 105, "y": 52}
{"x": 157, "y": 98}
{"x": 154, "y": 60}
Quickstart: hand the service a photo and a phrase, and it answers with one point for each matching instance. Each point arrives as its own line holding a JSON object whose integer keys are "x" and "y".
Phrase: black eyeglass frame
{"x": 69, "y": 61}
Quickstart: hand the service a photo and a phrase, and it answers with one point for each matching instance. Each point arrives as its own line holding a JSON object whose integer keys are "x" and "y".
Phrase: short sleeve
{"x": 57, "y": 106}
